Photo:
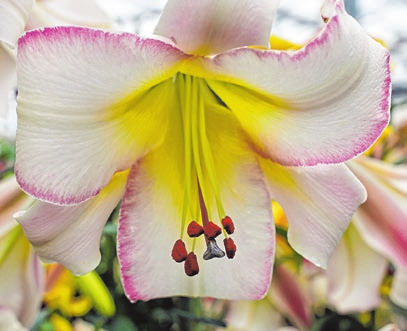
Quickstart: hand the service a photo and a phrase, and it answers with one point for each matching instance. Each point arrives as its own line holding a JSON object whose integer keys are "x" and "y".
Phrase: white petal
{"x": 71, "y": 235}
{"x": 319, "y": 203}
{"x": 311, "y": 106}
{"x": 211, "y": 26}
{"x": 13, "y": 17}
{"x": 355, "y": 273}
{"x": 68, "y": 12}
{"x": 86, "y": 108}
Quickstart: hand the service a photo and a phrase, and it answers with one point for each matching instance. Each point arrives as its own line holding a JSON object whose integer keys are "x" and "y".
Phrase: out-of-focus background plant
{"x": 364, "y": 287}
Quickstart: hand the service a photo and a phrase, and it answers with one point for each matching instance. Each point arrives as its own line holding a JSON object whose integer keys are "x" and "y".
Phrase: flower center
{"x": 201, "y": 187}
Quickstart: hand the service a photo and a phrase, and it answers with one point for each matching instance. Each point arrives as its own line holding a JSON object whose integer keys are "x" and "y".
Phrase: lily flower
{"x": 195, "y": 131}
{"x": 376, "y": 236}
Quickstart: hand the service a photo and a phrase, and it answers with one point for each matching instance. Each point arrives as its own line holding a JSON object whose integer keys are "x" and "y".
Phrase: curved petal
{"x": 319, "y": 203}
{"x": 211, "y": 26}
{"x": 398, "y": 293}
{"x": 310, "y": 106}
{"x": 382, "y": 219}
{"x": 86, "y": 99}
{"x": 71, "y": 235}
{"x": 13, "y": 17}
{"x": 355, "y": 274}
{"x": 151, "y": 217}
{"x": 68, "y": 12}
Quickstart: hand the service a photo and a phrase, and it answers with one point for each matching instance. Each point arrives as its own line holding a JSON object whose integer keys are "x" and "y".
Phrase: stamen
{"x": 213, "y": 250}
{"x": 201, "y": 191}
{"x": 228, "y": 225}
{"x": 194, "y": 229}
{"x": 191, "y": 265}
{"x": 179, "y": 252}
{"x": 230, "y": 247}
{"x": 212, "y": 230}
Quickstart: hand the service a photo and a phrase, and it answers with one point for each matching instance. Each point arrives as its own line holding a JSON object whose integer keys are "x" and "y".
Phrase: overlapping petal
{"x": 324, "y": 103}
{"x": 68, "y": 12}
{"x": 13, "y": 17}
{"x": 82, "y": 114}
{"x": 210, "y": 26}
{"x": 382, "y": 219}
{"x": 147, "y": 233}
{"x": 319, "y": 203}
{"x": 71, "y": 235}
{"x": 355, "y": 274}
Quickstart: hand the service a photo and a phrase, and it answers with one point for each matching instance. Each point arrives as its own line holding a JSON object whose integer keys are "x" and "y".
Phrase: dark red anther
{"x": 191, "y": 265}
{"x": 230, "y": 247}
{"x": 179, "y": 252}
{"x": 228, "y": 225}
{"x": 212, "y": 230}
{"x": 194, "y": 229}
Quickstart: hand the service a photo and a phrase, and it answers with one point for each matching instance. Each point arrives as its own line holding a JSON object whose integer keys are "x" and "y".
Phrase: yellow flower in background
{"x": 75, "y": 296}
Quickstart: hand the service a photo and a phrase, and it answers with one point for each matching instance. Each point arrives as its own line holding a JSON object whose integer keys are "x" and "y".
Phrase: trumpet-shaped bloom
{"x": 196, "y": 132}
{"x": 382, "y": 219}
{"x": 377, "y": 235}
